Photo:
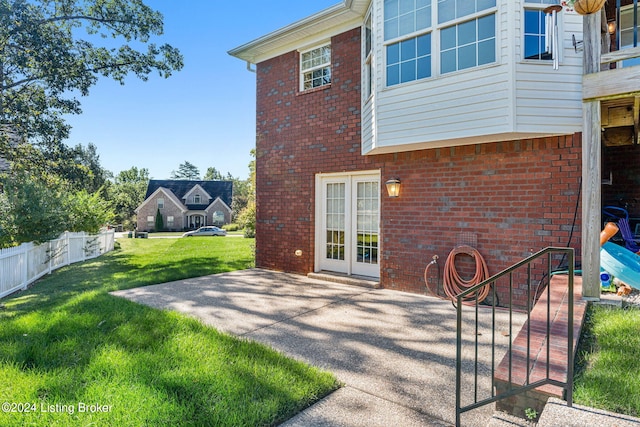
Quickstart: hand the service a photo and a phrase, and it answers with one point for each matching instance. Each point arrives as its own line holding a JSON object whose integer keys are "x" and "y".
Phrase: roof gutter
{"x": 252, "y": 51}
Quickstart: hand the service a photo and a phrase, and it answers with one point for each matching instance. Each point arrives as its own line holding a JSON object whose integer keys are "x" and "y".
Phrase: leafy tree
{"x": 213, "y": 174}
{"x": 45, "y": 58}
{"x": 247, "y": 217}
{"x": 80, "y": 166}
{"x": 126, "y": 193}
{"x": 159, "y": 221}
{"x": 187, "y": 171}
{"x": 31, "y": 209}
{"x": 87, "y": 212}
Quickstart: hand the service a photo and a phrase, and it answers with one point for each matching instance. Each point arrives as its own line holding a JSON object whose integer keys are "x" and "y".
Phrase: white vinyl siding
{"x": 510, "y": 98}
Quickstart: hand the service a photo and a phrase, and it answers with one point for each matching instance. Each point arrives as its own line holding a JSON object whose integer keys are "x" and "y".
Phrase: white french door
{"x": 348, "y": 223}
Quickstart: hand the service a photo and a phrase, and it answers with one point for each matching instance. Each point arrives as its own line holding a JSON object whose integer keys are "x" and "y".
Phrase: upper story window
{"x": 449, "y": 10}
{"x": 535, "y": 31}
{"x": 407, "y": 28}
{"x": 367, "y": 78}
{"x": 628, "y": 37}
{"x": 465, "y": 34}
{"x": 402, "y": 17}
{"x": 468, "y": 44}
{"x": 160, "y": 203}
{"x": 196, "y": 199}
{"x": 315, "y": 67}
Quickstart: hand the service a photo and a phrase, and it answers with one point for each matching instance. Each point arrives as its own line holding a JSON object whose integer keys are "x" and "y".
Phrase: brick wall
{"x": 300, "y": 135}
{"x": 515, "y": 196}
{"x": 218, "y": 205}
{"x": 151, "y": 209}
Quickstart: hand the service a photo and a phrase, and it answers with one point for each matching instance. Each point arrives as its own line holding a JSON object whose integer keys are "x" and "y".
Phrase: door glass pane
{"x": 367, "y": 222}
{"x": 335, "y": 221}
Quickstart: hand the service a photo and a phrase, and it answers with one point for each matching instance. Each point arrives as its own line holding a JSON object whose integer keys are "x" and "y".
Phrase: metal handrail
{"x": 528, "y": 385}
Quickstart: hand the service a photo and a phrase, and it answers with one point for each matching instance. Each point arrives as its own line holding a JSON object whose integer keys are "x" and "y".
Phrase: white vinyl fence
{"x": 26, "y": 263}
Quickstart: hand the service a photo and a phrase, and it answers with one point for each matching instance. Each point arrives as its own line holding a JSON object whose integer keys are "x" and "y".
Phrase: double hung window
{"x": 464, "y": 33}
{"x": 468, "y": 42}
{"x": 407, "y": 34}
{"x": 535, "y": 31}
{"x": 315, "y": 67}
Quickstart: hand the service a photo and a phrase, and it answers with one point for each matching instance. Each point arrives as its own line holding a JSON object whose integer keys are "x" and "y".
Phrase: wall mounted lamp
{"x": 393, "y": 187}
{"x": 611, "y": 26}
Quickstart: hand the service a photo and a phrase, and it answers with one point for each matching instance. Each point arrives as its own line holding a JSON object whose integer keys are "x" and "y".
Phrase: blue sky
{"x": 204, "y": 114}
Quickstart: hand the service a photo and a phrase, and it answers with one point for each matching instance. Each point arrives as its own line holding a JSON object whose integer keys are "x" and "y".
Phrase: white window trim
{"x": 160, "y": 205}
{"x": 435, "y": 30}
{"x": 318, "y": 67}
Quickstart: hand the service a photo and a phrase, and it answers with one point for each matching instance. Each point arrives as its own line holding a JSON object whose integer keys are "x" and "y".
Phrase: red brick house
{"x": 462, "y": 105}
{"x": 185, "y": 204}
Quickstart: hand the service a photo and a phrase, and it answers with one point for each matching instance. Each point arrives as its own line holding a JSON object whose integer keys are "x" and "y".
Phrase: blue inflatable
{"x": 621, "y": 263}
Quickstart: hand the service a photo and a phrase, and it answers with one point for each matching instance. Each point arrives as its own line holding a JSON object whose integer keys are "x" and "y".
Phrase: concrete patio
{"x": 395, "y": 352}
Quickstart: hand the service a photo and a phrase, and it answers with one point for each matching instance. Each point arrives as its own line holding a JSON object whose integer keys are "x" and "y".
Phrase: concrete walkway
{"x": 395, "y": 352}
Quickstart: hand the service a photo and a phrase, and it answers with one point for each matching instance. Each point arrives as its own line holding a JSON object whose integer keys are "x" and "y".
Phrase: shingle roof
{"x": 222, "y": 189}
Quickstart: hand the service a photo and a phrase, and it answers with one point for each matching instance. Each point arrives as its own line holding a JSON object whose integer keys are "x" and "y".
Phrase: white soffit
{"x": 312, "y": 29}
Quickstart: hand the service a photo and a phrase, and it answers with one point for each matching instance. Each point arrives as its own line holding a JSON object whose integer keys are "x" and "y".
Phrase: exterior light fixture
{"x": 612, "y": 27}
{"x": 393, "y": 187}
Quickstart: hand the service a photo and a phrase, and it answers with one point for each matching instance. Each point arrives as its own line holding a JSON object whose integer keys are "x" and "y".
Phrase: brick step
{"x": 557, "y": 343}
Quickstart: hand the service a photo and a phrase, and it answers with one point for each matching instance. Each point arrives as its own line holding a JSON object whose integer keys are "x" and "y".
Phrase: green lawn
{"x": 71, "y": 354}
{"x": 609, "y": 366}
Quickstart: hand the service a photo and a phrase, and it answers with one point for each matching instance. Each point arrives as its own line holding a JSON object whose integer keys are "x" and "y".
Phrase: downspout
{"x": 249, "y": 64}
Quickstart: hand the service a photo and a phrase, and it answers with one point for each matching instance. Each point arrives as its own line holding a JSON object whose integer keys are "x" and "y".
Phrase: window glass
{"x": 160, "y": 203}
{"x": 468, "y": 44}
{"x": 409, "y": 60}
{"x": 453, "y": 9}
{"x": 402, "y": 17}
{"x": 170, "y": 220}
{"x": 368, "y": 58}
{"x": 626, "y": 27}
{"x": 534, "y": 35}
{"x": 315, "y": 66}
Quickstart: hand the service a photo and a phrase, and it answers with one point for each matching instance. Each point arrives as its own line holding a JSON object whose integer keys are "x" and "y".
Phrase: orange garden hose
{"x": 454, "y": 284}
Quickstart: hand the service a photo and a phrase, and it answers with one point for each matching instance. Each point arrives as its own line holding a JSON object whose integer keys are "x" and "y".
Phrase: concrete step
{"x": 502, "y": 419}
{"x": 556, "y": 413}
{"x": 362, "y": 281}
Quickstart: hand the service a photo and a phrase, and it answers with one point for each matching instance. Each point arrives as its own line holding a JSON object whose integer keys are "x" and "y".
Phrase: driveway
{"x": 395, "y": 352}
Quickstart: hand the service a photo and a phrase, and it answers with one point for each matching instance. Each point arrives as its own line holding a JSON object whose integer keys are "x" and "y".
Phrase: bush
{"x": 231, "y": 227}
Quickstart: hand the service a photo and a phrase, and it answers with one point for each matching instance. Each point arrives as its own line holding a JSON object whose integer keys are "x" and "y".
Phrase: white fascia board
{"x": 196, "y": 187}
{"x": 221, "y": 201}
{"x": 167, "y": 193}
{"x": 313, "y": 29}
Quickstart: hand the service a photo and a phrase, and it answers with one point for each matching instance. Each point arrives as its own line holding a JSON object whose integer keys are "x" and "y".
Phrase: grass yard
{"x": 609, "y": 366}
{"x": 71, "y": 354}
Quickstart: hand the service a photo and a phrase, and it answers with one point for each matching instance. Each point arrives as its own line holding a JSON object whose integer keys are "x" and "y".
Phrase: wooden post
{"x": 591, "y": 166}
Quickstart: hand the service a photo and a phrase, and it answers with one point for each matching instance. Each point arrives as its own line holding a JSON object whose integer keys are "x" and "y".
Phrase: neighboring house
{"x": 459, "y": 101}
{"x": 185, "y": 204}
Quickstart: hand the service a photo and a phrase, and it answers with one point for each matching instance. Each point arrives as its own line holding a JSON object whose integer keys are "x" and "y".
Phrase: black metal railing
{"x": 533, "y": 266}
